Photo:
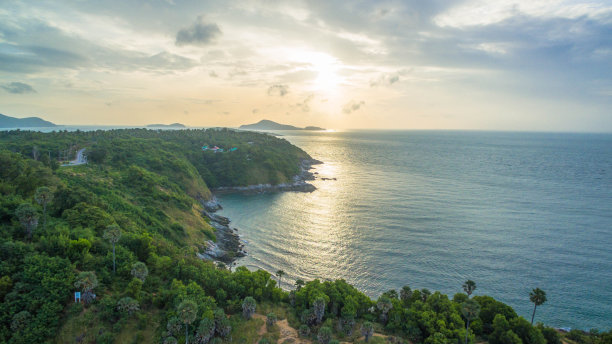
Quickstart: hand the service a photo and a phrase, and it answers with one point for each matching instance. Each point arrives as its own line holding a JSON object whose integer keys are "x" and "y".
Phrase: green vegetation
{"x": 124, "y": 231}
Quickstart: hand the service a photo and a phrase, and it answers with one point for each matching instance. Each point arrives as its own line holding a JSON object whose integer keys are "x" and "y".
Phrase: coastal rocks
{"x": 298, "y": 184}
{"x": 228, "y": 246}
{"x": 212, "y": 204}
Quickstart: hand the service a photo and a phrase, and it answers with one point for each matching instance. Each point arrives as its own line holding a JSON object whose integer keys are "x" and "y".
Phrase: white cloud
{"x": 483, "y": 12}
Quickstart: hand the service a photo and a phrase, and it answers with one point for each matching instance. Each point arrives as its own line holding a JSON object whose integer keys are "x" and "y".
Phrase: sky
{"x": 473, "y": 64}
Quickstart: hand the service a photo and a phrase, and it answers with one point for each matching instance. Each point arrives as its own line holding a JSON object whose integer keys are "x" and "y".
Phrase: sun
{"x": 326, "y": 67}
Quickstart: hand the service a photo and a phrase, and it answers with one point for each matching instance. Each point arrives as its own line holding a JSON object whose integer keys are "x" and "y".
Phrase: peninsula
{"x": 266, "y": 124}
{"x": 127, "y": 249}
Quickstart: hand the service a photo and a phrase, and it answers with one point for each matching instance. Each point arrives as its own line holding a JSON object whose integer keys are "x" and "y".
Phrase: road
{"x": 80, "y": 159}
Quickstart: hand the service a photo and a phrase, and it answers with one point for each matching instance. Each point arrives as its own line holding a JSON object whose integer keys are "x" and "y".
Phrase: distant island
{"x": 265, "y": 124}
{"x": 28, "y": 122}
{"x": 173, "y": 125}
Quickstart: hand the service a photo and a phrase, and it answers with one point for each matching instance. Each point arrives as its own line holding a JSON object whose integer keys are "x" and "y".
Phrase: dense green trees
{"x": 136, "y": 206}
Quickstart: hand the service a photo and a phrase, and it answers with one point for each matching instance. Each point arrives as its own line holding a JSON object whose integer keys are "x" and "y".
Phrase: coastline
{"x": 228, "y": 246}
{"x": 299, "y": 183}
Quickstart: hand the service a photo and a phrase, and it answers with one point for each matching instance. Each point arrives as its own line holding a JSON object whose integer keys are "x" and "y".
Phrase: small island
{"x": 173, "y": 125}
{"x": 28, "y": 122}
{"x": 266, "y": 124}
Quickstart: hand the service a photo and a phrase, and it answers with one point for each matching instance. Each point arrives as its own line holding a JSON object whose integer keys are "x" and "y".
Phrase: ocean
{"x": 431, "y": 209}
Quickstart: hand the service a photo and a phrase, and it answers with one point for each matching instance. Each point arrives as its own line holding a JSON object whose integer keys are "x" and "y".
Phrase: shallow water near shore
{"x": 512, "y": 211}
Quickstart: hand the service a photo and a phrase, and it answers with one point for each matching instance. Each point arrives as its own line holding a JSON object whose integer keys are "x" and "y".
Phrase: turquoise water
{"x": 512, "y": 211}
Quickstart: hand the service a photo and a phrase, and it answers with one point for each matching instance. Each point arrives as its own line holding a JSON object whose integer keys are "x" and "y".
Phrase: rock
{"x": 299, "y": 183}
{"x": 212, "y": 205}
{"x": 228, "y": 246}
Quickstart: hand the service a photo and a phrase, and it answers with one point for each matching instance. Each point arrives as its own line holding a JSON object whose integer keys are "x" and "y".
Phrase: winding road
{"x": 81, "y": 159}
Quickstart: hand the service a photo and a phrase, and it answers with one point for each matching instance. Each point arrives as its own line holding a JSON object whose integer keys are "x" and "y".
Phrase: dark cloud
{"x": 25, "y": 59}
{"x": 278, "y": 90}
{"x": 352, "y": 106}
{"x": 199, "y": 33}
{"x": 18, "y": 88}
{"x": 35, "y": 45}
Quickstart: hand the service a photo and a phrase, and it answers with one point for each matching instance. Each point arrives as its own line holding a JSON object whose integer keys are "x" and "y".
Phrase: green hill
{"x": 137, "y": 205}
{"x": 28, "y": 122}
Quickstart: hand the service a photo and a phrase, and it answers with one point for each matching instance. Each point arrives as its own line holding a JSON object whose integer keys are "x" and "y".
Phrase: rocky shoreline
{"x": 299, "y": 183}
{"x": 228, "y": 246}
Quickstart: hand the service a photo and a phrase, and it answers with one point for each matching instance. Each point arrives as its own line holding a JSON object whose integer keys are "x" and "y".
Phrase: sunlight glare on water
{"x": 512, "y": 211}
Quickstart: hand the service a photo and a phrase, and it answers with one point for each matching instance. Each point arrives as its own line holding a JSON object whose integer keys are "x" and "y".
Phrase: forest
{"x": 123, "y": 231}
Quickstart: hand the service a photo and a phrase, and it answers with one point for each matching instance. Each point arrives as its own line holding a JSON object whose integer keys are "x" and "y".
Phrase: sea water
{"x": 431, "y": 209}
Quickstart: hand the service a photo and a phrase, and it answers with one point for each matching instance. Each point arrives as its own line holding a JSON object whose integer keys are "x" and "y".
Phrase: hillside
{"x": 28, "y": 122}
{"x": 124, "y": 231}
{"x": 265, "y": 124}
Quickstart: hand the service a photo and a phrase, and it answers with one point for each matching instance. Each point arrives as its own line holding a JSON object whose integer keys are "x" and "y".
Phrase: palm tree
{"x": 248, "y": 307}
{"x": 324, "y": 335}
{"x": 425, "y": 293}
{"x": 470, "y": 310}
{"x": 28, "y": 217}
{"x": 87, "y": 281}
{"x": 43, "y": 197}
{"x": 367, "y": 329}
{"x": 140, "y": 271}
{"x": 469, "y": 286}
{"x": 113, "y": 234}
{"x": 187, "y": 311}
{"x": 538, "y": 297}
{"x": 299, "y": 283}
{"x": 280, "y": 274}
{"x": 405, "y": 293}
{"x": 318, "y": 307}
{"x": 128, "y": 305}
{"x": 384, "y": 304}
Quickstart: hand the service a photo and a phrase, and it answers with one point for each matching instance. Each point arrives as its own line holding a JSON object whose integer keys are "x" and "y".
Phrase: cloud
{"x": 278, "y": 90}
{"x": 255, "y": 111}
{"x": 213, "y": 74}
{"x": 199, "y": 33}
{"x": 352, "y": 106}
{"x": 18, "y": 88}
{"x": 385, "y": 79}
{"x": 305, "y": 104}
